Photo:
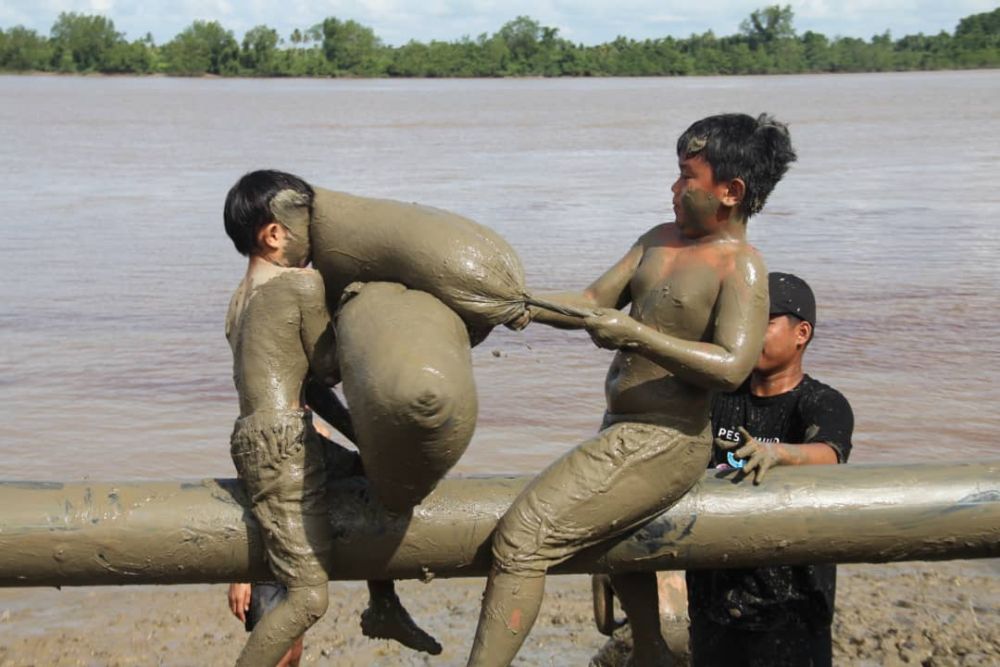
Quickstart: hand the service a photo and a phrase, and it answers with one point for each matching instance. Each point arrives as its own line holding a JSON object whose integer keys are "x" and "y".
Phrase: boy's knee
{"x": 319, "y": 602}
{"x": 514, "y": 555}
{"x": 312, "y": 601}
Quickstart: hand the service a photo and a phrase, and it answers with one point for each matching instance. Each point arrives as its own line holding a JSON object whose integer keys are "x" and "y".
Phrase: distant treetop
{"x": 766, "y": 44}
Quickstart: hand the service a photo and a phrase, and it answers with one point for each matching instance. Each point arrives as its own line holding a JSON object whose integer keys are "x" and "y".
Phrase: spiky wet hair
{"x": 756, "y": 150}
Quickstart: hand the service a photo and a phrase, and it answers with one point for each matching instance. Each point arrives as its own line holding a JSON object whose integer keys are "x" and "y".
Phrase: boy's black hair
{"x": 735, "y": 145}
{"x": 248, "y": 204}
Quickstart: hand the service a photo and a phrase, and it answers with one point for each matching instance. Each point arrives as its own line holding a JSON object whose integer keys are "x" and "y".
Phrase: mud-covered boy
{"x": 699, "y": 308}
{"x": 283, "y": 341}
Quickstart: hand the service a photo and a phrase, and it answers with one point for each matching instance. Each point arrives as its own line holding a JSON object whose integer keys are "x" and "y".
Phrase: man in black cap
{"x": 774, "y": 616}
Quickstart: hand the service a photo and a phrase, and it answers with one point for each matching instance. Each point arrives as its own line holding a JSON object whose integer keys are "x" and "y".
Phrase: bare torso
{"x": 674, "y": 290}
{"x": 265, "y": 328}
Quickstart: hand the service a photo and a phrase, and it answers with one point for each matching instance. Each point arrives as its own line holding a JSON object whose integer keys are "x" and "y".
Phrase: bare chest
{"x": 675, "y": 291}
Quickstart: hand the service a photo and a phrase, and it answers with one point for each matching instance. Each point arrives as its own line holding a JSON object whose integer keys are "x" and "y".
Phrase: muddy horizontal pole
{"x": 80, "y": 534}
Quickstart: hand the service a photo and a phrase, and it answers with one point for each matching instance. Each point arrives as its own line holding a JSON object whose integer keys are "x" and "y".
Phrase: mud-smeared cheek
{"x": 699, "y": 207}
{"x": 297, "y": 249}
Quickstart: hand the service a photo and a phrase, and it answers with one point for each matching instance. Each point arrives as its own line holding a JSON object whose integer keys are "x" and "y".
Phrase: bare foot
{"x": 385, "y": 618}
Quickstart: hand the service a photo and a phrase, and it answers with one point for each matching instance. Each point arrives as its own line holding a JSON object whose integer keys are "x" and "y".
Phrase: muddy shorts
{"x": 281, "y": 461}
{"x": 263, "y": 598}
{"x": 626, "y": 475}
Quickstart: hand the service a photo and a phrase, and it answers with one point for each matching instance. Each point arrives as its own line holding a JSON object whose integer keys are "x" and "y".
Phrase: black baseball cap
{"x": 790, "y": 295}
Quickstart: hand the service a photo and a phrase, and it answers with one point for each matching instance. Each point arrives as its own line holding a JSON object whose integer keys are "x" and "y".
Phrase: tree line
{"x": 767, "y": 43}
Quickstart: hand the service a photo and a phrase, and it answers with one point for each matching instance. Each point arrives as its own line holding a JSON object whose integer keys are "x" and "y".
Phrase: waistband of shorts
{"x": 689, "y": 425}
{"x": 268, "y": 417}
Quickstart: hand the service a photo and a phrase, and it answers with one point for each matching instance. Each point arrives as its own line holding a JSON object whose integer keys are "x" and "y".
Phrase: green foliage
{"x": 22, "y": 50}
{"x": 977, "y": 40}
{"x": 769, "y": 24}
{"x": 522, "y": 37}
{"x": 259, "y": 51}
{"x": 204, "y": 47}
{"x": 352, "y": 48}
{"x": 138, "y": 57}
{"x": 981, "y": 29}
{"x": 767, "y": 43}
{"x": 82, "y": 43}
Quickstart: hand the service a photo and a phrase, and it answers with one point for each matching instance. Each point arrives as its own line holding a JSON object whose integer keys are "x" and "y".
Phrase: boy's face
{"x": 280, "y": 244}
{"x": 785, "y": 339}
{"x": 291, "y": 212}
{"x": 296, "y": 249}
{"x": 699, "y": 199}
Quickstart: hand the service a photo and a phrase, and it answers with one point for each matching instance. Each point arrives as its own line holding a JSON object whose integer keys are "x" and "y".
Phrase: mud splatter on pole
{"x": 81, "y": 534}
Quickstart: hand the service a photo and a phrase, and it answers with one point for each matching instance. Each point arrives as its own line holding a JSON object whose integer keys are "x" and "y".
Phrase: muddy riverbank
{"x": 913, "y": 613}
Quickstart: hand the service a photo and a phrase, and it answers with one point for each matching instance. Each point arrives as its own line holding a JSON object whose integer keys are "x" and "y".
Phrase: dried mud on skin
{"x": 934, "y": 614}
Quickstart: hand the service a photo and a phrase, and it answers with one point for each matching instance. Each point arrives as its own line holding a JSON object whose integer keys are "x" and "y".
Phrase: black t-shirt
{"x": 772, "y": 597}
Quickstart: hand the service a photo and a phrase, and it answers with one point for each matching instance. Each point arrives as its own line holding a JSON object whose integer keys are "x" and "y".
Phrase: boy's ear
{"x": 270, "y": 236}
{"x": 735, "y": 191}
{"x": 803, "y": 333}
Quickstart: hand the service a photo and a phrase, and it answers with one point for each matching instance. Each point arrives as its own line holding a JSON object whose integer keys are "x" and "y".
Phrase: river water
{"x": 116, "y": 271}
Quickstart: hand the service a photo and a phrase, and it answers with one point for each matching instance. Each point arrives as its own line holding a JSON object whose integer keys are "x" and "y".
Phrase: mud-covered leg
{"x": 604, "y": 486}
{"x": 294, "y": 655}
{"x": 638, "y": 594}
{"x": 386, "y": 618}
{"x": 283, "y": 625}
{"x": 510, "y": 607}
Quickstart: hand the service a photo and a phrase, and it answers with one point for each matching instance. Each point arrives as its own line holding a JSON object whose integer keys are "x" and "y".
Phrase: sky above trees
{"x": 582, "y": 21}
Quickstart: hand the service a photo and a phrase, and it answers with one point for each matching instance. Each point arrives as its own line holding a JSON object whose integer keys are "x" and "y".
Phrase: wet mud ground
{"x": 935, "y": 614}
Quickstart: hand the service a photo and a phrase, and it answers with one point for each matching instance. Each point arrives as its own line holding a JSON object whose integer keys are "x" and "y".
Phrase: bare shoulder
{"x": 304, "y": 281}
{"x": 664, "y": 234}
{"x": 289, "y": 288}
{"x": 308, "y": 284}
{"x": 747, "y": 266}
{"x": 308, "y": 278}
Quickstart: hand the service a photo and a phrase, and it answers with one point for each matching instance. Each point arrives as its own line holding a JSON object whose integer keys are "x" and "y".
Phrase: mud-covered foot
{"x": 385, "y": 618}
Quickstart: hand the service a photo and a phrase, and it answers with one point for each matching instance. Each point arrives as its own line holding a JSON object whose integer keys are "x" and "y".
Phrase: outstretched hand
{"x": 759, "y": 456}
{"x": 611, "y": 329}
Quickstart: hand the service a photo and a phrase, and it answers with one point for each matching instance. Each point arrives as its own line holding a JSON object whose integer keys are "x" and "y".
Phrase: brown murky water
{"x": 116, "y": 270}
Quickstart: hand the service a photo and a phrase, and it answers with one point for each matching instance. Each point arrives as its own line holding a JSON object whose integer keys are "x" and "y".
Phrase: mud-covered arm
{"x": 319, "y": 341}
{"x": 327, "y": 405}
{"x": 611, "y": 290}
{"x": 759, "y": 457}
{"x": 318, "y": 337}
{"x": 722, "y": 364}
